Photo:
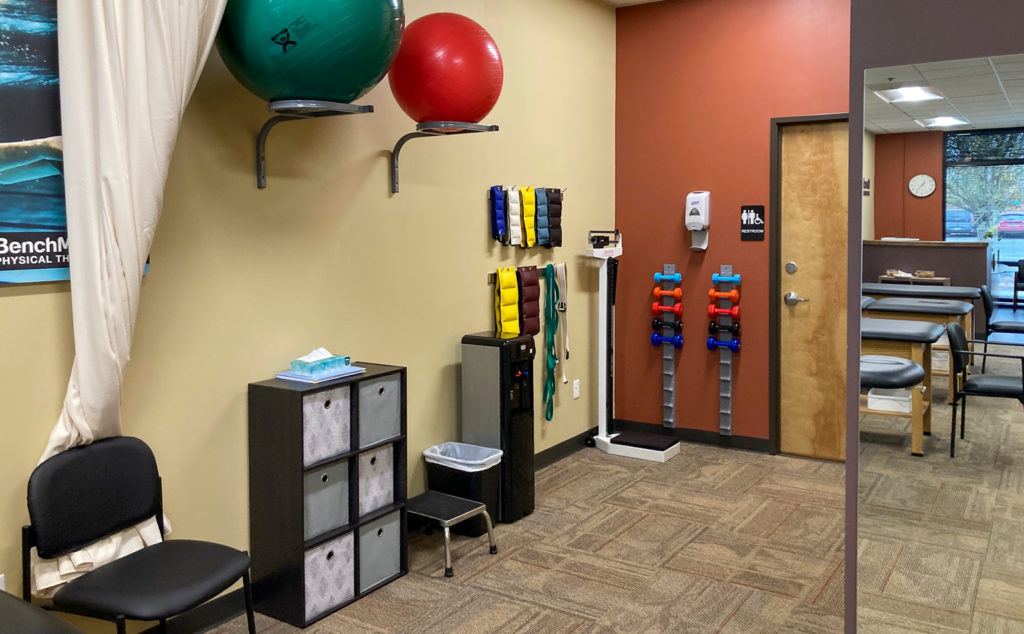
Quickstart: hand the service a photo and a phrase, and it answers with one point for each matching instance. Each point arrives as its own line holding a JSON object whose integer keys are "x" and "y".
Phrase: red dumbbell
{"x": 733, "y": 295}
{"x": 714, "y": 311}
{"x": 675, "y": 292}
{"x": 657, "y": 308}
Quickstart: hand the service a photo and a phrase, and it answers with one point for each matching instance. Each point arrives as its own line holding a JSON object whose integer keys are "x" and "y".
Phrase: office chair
{"x": 976, "y": 384}
{"x": 1012, "y": 327}
{"x": 1018, "y": 282}
{"x": 86, "y": 493}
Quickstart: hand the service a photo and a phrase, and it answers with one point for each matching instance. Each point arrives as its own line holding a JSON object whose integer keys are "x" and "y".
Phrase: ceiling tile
{"x": 1004, "y": 60}
{"x": 968, "y": 86}
{"x": 891, "y": 74}
{"x": 946, "y": 73}
{"x": 971, "y": 62}
{"x": 971, "y": 89}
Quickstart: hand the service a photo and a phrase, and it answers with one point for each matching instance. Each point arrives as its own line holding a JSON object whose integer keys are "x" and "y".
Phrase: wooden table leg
{"x": 920, "y": 354}
{"x": 926, "y": 396}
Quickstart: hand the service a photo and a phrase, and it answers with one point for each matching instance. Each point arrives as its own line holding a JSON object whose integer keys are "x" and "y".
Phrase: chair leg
{"x": 447, "y": 552}
{"x": 952, "y": 433}
{"x": 250, "y": 618}
{"x": 121, "y": 628}
{"x": 984, "y": 360}
{"x": 490, "y": 533}
{"x": 163, "y": 626}
{"x": 963, "y": 412}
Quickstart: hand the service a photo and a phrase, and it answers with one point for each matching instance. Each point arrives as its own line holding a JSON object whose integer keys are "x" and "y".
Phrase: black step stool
{"x": 446, "y": 511}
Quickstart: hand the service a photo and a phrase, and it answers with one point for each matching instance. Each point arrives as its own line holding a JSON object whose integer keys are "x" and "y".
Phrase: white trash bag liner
{"x": 462, "y": 456}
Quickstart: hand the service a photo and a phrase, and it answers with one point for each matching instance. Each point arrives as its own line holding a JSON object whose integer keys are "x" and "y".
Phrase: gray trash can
{"x": 466, "y": 471}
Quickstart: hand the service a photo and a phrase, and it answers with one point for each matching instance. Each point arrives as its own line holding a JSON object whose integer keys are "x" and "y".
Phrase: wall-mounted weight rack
{"x": 724, "y": 328}
{"x": 667, "y": 324}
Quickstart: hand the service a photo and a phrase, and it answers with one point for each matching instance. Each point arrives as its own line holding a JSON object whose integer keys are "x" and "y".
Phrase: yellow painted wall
{"x": 243, "y": 280}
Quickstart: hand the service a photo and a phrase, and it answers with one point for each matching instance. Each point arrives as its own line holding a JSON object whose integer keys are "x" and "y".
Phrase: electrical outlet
{"x": 576, "y": 388}
{"x": 3, "y": 584}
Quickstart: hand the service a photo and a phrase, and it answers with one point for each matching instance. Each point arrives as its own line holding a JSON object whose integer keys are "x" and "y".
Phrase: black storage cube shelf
{"x": 327, "y": 491}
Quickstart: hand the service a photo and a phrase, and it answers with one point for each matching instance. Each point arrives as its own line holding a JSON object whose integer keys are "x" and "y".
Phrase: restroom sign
{"x": 752, "y": 222}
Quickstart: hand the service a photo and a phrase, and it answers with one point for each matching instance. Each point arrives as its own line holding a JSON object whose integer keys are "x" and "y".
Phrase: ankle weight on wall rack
{"x": 529, "y": 300}
{"x": 506, "y": 302}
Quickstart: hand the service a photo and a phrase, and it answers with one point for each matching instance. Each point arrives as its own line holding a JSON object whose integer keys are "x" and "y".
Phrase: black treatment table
{"x": 962, "y": 293}
{"x": 877, "y": 291}
{"x": 937, "y": 311}
{"x": 907, "y": 340}
{"x": 23, "y": 617}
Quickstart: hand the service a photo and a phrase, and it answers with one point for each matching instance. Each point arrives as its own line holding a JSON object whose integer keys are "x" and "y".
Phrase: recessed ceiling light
{"x": 941, "y": 122}
{"x": 909, "y": 94}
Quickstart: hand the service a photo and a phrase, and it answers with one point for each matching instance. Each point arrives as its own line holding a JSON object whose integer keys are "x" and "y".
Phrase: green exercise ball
{"x": 334, "y": 50}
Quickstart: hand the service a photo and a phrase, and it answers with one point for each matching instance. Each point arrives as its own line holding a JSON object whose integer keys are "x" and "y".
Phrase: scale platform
{"x": 639, "y": 444}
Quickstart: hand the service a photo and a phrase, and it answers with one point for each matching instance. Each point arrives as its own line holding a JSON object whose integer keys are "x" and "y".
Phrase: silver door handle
{"x": 791, "y": 298}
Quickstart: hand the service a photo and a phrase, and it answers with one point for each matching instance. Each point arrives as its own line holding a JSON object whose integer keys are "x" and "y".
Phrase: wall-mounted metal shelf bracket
{"x": 292, "y": 110}
{"x": 433, "y": 128}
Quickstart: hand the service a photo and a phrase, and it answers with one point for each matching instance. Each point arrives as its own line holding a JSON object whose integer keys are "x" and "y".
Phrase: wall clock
{"x": 921, "y": 185}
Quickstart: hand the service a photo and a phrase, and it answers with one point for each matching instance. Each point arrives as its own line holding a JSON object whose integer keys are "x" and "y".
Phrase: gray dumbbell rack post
{"x": 668, "y": 353}
{"x": 725, "y": 358}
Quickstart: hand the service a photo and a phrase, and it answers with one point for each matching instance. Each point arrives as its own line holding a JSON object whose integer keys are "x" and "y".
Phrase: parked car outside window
{"x": 960, "y": 222}
{"x": 1011, "y": 224}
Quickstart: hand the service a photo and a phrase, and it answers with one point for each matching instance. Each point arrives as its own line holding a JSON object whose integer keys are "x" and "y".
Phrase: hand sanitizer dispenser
{"x": 697, "y": 219}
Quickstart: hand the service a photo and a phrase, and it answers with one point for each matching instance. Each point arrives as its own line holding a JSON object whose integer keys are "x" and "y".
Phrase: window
{"x": 984, "y": 196}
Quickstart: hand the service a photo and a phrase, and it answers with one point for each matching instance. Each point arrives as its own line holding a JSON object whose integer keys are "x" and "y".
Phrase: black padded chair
{"x": 1018, "y": 281}
{"x": 992, "y": 327}
{"x": 84, "y": 494}
{"x": 976, "y": 384}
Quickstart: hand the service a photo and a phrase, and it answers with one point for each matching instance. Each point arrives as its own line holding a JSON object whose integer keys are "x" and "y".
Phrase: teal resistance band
{"x": 550, "y": 328}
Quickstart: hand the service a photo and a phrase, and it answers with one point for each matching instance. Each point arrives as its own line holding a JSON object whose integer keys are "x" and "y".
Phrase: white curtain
{"x": 127, "y": 71}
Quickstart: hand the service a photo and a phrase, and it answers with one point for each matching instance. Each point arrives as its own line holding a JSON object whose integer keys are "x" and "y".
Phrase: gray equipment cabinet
{"x": 327, "y": 491}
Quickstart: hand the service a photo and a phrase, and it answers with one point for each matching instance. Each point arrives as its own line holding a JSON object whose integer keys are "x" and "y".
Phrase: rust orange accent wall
{"x": 697, "y": 83}
{"x": 898, "y": 212}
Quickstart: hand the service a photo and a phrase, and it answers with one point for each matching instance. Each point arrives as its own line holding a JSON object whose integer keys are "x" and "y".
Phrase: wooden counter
{"x": 966, "y": 263}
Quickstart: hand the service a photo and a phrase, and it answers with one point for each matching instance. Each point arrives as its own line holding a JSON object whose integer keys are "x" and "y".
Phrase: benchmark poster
{"x": 33, "y": 224}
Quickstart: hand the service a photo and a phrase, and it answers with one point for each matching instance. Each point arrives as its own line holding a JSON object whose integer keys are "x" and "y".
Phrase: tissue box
{"x": 321, "y": 368}
{"x": 889, "y": 400}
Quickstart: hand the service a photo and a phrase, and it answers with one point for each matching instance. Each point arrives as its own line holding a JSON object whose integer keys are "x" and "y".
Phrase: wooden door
{"x": 812, "y": 333}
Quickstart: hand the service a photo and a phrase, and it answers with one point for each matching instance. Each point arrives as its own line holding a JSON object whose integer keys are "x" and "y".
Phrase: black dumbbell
{"x": 658, "y": 324}
{"x": 714, "y": 328}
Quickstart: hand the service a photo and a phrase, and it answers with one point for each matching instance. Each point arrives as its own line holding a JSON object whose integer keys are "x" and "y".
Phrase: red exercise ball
{"x": 447, "y": 69}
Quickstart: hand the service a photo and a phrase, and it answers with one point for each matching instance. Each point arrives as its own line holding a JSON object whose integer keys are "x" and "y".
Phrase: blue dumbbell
{"x": 675, "y": 340}
{"x": 734, "y": 279}
{"x": 675, "y": 277}
{"x": 732, "y": 344}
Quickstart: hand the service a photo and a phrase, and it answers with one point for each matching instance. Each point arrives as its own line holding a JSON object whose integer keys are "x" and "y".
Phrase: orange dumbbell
{"x": 657, "y": 308}
{"x": 733, "y": 295}
{"x": 675, "y": 292}
{"x": 715, "y": 311}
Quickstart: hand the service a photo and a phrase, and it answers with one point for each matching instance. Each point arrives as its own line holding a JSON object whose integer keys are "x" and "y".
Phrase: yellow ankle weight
{"x": 529, "y": 200}
{"x": 506, "y": 303}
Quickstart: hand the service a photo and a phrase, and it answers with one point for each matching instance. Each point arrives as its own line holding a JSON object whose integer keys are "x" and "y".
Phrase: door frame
{"x": 775, "y": 264}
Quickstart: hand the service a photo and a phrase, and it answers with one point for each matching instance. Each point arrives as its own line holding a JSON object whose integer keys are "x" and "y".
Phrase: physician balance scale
{"x": 605, "y": 246}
